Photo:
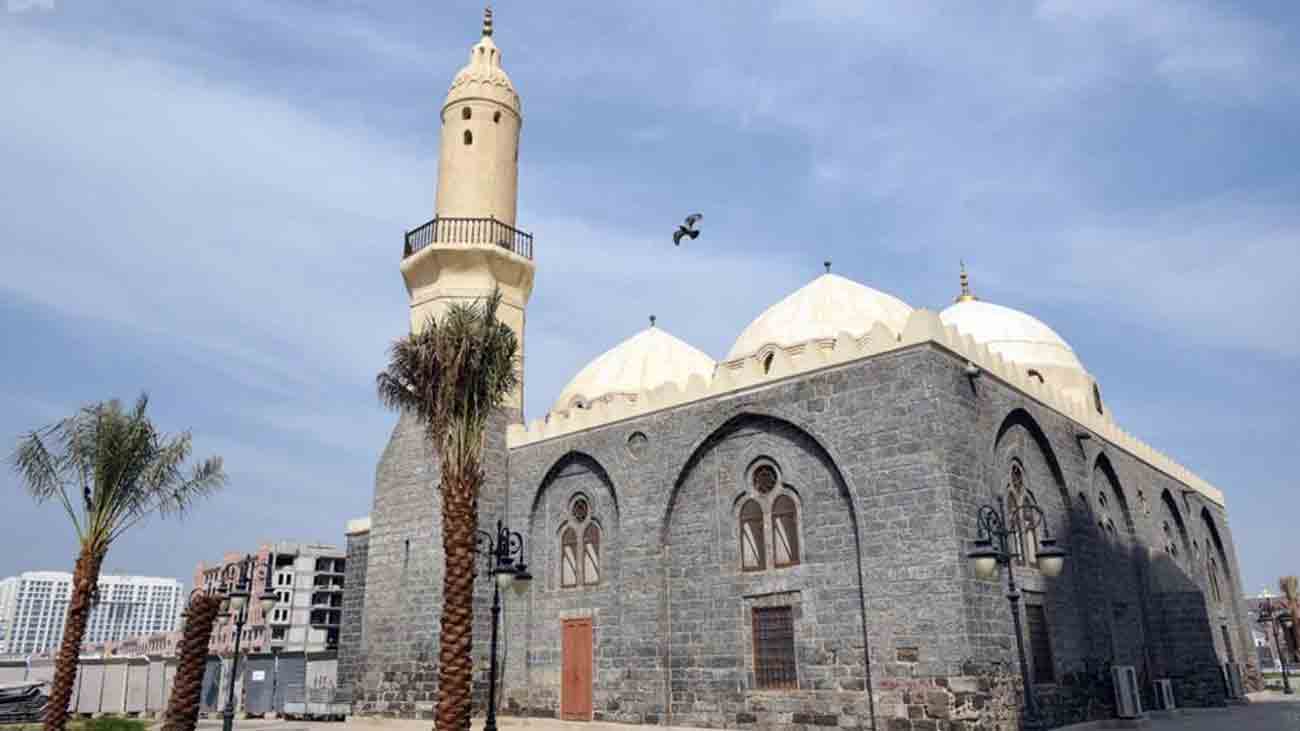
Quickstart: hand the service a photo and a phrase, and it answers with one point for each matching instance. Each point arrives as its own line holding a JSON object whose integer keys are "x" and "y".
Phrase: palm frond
{"x": 111, "y": 467}
{"x": 453, "y": 373}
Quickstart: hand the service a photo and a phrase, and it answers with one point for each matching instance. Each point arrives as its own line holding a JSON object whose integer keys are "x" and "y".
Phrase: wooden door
{"x": 575, "y": 685}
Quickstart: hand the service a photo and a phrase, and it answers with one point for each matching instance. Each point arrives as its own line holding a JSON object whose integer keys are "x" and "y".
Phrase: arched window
{"x": 466, "y": 113}
{"x": 569, "y": 558}
{"x": 591, "y": 555}
{"x": 1215, "y": 590}
{"x": 785, "y": 532}
{"x": 496, "y": 117}
{"x": 469, "y": 137}
{"x": 1018, "y": 496}
{"x": 767, "y": 362}
{"x": 753, "y": 552}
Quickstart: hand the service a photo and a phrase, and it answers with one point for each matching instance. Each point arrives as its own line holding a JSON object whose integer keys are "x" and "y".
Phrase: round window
{"x": 580, "y": 509}
{"x": 764, "y": 478}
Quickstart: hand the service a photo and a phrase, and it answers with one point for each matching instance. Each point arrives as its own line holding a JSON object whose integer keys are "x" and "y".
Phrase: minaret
{"x": 472, "y": 246}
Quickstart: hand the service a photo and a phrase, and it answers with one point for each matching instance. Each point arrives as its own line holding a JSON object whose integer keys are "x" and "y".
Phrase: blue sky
{"x": 206, "y": 201}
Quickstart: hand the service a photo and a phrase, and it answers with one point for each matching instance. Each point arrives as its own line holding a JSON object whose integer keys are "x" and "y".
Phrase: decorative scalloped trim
{"x": 922, "y": 326}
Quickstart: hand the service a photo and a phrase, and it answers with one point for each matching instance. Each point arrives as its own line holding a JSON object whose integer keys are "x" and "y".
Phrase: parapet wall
{"x": 923, "y": 326}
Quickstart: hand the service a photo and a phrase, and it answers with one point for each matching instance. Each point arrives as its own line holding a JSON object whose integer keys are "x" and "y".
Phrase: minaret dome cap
{"x": 483, "y": 78}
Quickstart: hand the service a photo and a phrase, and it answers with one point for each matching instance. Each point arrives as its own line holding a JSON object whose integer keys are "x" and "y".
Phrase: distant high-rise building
{"x": 8, "y": 590}
{"x": 34, "y": 607}
{"x": 307, "y": 579}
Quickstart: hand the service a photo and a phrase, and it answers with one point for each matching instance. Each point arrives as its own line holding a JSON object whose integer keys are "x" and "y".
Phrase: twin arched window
{"x": 1019, "y": 496}
{"x": 754, "y": 525}
{"x": 580, "y": 563}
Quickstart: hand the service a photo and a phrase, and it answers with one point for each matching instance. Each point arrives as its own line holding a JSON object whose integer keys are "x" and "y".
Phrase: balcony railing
{"x": 469, "y": 231}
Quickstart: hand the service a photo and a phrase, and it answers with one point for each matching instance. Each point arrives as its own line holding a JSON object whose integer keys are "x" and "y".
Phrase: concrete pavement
{"x": 1266, "y": 712}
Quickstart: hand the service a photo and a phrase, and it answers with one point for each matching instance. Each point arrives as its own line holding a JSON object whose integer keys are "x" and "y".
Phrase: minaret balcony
{"x": 469, "y": 231}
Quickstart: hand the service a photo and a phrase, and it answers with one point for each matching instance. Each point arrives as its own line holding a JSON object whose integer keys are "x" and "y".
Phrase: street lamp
{"x": 994, "y": 548}
{"x": 500, "y": 554}
{"x": 236, "y": 584}
{"x": 1272, "y": 615}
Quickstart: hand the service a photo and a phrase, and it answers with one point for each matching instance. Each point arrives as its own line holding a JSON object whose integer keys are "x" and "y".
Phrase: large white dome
{"x": 821, "y": 309}
{"x": 647, "y": 360}
{"x": 1013, "y": 334}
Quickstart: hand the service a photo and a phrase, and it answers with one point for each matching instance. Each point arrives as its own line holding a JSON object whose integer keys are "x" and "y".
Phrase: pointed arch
{"x": 570, "y": 460}
{"x": 1175, "y": 518}
{"x": 1022, "y": 418}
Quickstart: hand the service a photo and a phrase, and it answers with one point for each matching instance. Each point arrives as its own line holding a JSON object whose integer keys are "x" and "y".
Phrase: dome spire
{"x": 487, "y": 21}
{"x": 965, "y": 295}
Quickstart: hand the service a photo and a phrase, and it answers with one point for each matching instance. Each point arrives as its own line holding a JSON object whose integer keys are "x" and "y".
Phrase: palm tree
{"x": 1290, "y": 587}
{"x": 452, "y": 375}
{"x": 109, "y": 468}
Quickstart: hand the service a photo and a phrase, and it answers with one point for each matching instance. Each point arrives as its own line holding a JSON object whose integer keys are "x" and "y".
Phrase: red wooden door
{"x": 575, "y": 686}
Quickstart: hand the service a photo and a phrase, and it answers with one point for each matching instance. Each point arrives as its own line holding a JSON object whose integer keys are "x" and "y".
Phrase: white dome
{"x": 1013, "y": 334}
{"x": 647, "y": 360}
{"x": 821, "y": 309}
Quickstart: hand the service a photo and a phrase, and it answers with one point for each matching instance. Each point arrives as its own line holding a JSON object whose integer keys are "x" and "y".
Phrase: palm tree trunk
{"x": 455, "y": 659}
{"x": 183, "y": 706}
{"x": 85, "y": 578}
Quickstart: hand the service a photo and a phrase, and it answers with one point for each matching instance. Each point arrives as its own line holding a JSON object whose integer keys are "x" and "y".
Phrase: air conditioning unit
{"x": 1164, "y": 692}
{"x": 1128, "y": 700}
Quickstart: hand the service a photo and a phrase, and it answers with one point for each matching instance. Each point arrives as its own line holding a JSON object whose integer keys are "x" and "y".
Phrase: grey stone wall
{"x": 889, "y": 459}
{"x": 352, "y": 628}
{"x": 891, "y": 456}
{"x": 395, "y": 670}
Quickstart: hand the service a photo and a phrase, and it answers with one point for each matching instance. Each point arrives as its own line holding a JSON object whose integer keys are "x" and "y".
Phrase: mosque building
{"x": 781, "y": 539}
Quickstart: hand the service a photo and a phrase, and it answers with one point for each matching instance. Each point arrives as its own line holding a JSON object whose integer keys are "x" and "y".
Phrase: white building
{"x": 34, "y": 607}
{"x": 8, "y": 590}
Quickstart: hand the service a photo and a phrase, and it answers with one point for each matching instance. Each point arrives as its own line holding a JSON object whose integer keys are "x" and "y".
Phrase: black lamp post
{"x": 994, "y": 547}
{"x": 1272, "y": 615}
{"x": 237, "y": 580}
{"x": 504, "y": 557}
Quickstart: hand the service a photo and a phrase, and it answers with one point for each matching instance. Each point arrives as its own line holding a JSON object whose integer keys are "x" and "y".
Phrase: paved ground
{"x": 1266, "y": 712}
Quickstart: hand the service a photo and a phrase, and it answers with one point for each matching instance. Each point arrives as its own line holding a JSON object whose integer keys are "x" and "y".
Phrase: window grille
{"x": 1040, "y": 644}
{"x": 774, "y": 663}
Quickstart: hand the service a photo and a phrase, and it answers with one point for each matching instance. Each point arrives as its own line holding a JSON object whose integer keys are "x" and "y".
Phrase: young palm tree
{"x": 109, "y": 468}
{"x": 452, "y": 375}
{"x": 1290, "y": 587}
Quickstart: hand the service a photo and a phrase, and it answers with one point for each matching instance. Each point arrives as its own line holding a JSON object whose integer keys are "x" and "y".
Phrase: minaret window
{"x": 469, "y": 137}
{"x": 767, "y": 363}
{"x": 496, "y": 117}
{"x": 466, "y": 113}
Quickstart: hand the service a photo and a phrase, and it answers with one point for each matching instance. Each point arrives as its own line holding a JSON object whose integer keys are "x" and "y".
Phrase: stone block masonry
{"x": 886, "y": 460}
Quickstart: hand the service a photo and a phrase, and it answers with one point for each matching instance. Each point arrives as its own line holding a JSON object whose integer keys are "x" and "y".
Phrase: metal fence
{"x": 141, "y": 685}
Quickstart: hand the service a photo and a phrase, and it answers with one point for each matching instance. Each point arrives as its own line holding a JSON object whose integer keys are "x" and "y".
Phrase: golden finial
{"x": 965, "y": 295}
{"x": 487, "y": 21}
{"x": 652, "y": 320}
{"x": 827, "y": 264}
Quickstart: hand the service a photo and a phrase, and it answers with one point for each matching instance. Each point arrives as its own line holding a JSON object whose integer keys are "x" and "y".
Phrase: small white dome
{"x": 647, "y": 360}
{"x": 1013, "y": 334}
{"x": 821, "y": 309}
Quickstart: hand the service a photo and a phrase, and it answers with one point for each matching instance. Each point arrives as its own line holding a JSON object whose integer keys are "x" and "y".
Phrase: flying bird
{"x": 687, "y": 229}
